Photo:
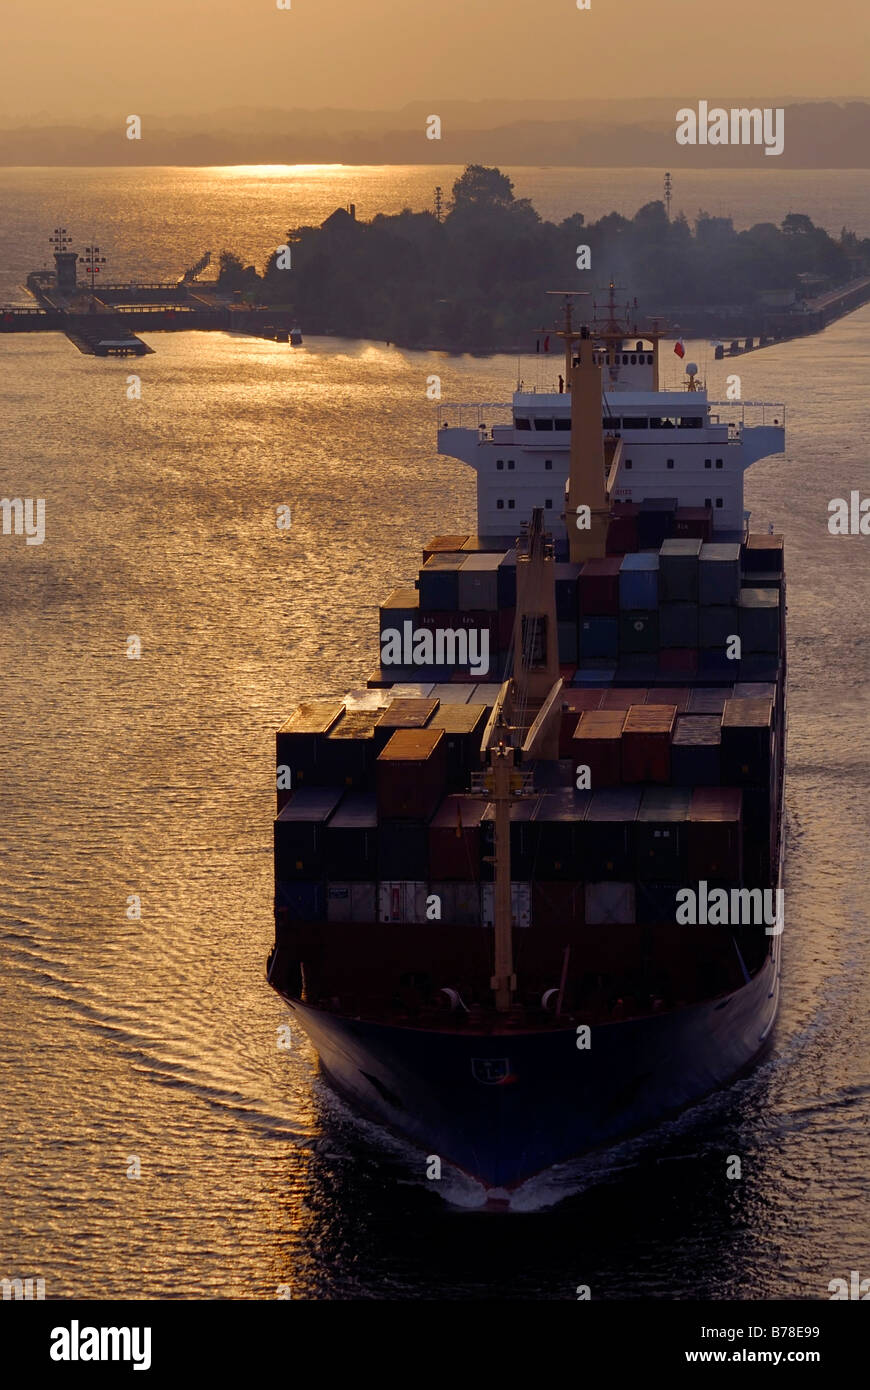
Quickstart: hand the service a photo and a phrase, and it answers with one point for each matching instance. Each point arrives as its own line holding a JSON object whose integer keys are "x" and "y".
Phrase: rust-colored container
{"x": 411, "y": 774}
{"x": 439, "y": 544}
{"x": 599, "y": 587}
{"x": 454, "y": 838}
{"x": 646, "y": 743}
{"x": 624, "y": 698}
{"x": 405, "y": 712}
{"x": 597, "y": 743}
{"x": 574, "y": 702}
{"x": 297, "y": 742}
{"x": 556, "y": 904}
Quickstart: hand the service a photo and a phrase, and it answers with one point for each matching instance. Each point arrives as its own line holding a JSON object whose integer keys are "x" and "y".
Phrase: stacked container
{"x": 646, "y": 743}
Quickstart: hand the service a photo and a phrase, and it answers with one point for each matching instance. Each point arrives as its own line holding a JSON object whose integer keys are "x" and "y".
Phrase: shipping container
{"x": 478, "y": 582}
{"x": 716, "y": 666}
{"x": 522, "y": 839}
{"x": 300, "y": 833}
{"x": 610, "y": 903}
{"x": 403, "y": 712}
{"x": 638, "y": 632}
{"x": 458, "y": 903}
{"x": 597, "y": 744}
{"x": 568, "y": 644}
{"x": 573, "y": 703}
{"x": 506, "y": 621}
{"x": 708, "y": 700}
{"x": 719, "y": 573}
{"x": 759, "y": 834}
{"x": 439, "y": 581}
{"x": 662, "y": 840}
{"x": 506, "y": 583}
{"x": 298, "y": 739}
{"x": 678, "y": 571}
{"x": 351, "y": 902}
{"x": 759, "y": 667}
{"x": 678, "y": 624}
{"x": 351, "y": 838}
{"x": 621, "y": 535}
{"x": 763, "y": 553}
{"x": 755, "y": 690}
{"x": 714, "y": 850}
{"x": 447, "y": 694}
{"x": 607, "y": 836}
{"x": 759, "y": 620}
{"x": 646, "y": 743}
{"x": 599, "y": 639}
{"x": 521, "y": 904}
{"x": 411, "y": 774}
{"x": 678, "y": 663}
{"x": 403, "y": 605}
{"x": 718, "y": 624}
{"x": 403, "y": 848}
{"x": 566, "y": 579}
{"x": 637, "y": 669}
{"x": 346, "y": 756}
{"x": 656, "y": 521}
{"x": 622, "y": 698}
{"x": 599, "y": 587}
{"x": 696, "y": 750}
{"x": 656, "y": 903}
{"x": 489, "y": 545}
{"x": 485, "y": 694}
{"x": 555, "y": 835}
{"x": 695, "y": 522}
{"x": 639, "y": 581}
{"x": 676, "y": 695}
{"x": 747, "y": 734}
{"x": 463, "y": 727}
{"x": 443, "y": 545}
{"x": 303, "y": 901}
{"x": 557, "y": 904}
{"x": 454, "y": 838}
{"x": 402, "y": 901}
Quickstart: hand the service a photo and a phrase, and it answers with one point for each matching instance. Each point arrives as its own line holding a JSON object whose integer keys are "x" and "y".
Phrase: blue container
{"x": 655, "y": 522}
{"x": 403, "y": 850}
{"x": 716, "y": 623}
{"x": 759, "y": 620}
{"x": 656, "y": 903}
{"x": 638, "y": 632}
{"x": 639, "y": 581}
{"x": 599, "y": 638}
{"x": 566, "y": 579}
{"x": 439, "y": 582}
{"x": 304, "y": 901}
{"x": 719, "y": 572}
{"x": 714, "y": 667}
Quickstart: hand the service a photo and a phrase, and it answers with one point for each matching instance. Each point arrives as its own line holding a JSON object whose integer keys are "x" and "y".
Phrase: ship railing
{"x": 481, "y": 415}
{"x": 740, "y": 415}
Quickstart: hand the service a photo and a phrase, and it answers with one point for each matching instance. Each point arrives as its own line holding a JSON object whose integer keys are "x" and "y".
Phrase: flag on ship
{"x": 679, "y": 349}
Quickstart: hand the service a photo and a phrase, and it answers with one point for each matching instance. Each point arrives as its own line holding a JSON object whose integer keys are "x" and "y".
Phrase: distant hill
{"x": 637, "y": 133}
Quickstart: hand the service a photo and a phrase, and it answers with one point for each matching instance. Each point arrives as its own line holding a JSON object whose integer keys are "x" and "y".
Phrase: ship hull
{"x": 503, "y": 1107}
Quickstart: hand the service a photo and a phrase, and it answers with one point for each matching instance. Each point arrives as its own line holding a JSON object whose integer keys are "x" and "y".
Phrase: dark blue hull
{"x": 503, "y": 1108}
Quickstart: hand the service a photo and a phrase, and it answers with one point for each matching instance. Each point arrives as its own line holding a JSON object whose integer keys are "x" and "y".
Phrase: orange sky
{"x": 95, "y": 58}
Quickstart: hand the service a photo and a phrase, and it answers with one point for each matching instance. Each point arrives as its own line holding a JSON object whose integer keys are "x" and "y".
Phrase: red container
{"x": 714, "y": 834}
{"x": 646, "y": 743}
{"x": 597, "y": 743}
{"x": 557, "y": 905}
{"x": 454, "y": 839}
{"x": 614, "y": 698}
{"x": 679, "y": 661}
{"x": 621, "y": 535}
{"x": 411, "y": 774}
{"x": 694, "y": 523}
{"x": 671, "y": 695}
{"x": 574, "y": 702}
{"x": 599, "y": 587}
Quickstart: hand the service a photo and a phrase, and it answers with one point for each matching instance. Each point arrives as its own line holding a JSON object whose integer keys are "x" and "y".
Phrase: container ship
{"x": 528, "y": 881}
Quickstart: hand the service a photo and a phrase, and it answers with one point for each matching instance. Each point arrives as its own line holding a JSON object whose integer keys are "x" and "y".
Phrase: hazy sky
{"x": 104, "y": 58}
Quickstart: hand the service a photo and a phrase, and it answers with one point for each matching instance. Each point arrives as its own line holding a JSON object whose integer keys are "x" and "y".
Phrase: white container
{"x": 402, "y": 901}
{"x": 609, "y": 903}
{"x": 521, "y": 904}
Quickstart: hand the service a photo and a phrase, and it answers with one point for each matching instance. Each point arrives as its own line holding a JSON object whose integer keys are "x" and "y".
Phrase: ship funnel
{"x": 588, "y": 504}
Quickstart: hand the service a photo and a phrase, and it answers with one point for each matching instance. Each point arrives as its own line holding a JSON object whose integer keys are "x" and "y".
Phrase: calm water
{"x": 153, "y": 223}
{"x": 156, "y": 1039}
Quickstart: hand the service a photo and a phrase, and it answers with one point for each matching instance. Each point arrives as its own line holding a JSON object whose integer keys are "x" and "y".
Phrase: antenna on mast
{"x": 668, "y": 195}
{"x": 568, "y": 333}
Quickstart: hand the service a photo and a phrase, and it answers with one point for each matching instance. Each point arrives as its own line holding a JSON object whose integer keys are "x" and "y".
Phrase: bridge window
{"x": 634, "y": 422}
{"x": 663, "y": 422}
{"x": 708, "y": 463}
{"x": 649, "y": 359}
{"x": 611, "y": 423}
{"x": 511, "y": 463}
{"x": 625, "y": 359}
{"x": 628, "y": 463}
{"x": 719, "y": 502}
{"x": 499, "y": 463}
{"x": 549, "y": 503}
{"x": 634, "y": 359}
{"x": 562, "y": 422}
{"x": 548, "y": 463}
{"x": 522, "y": 422}
{"x": 500, "y": 505}
{"x": 511, "y": 504}
{"x": 718, "y": 463}
{"x": 670, "y": 463}
{"x": 708, "y": 501}
{"x": 542, "y": 423}
{"x": 690, "y": 422}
